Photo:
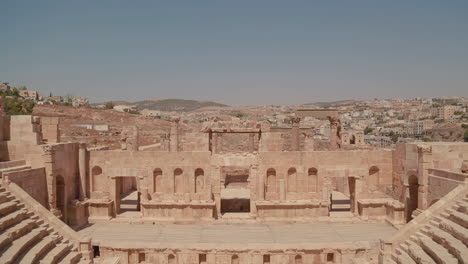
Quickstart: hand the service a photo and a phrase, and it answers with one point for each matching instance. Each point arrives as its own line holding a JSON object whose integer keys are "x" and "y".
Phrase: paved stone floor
{"x": 144, "y": 235}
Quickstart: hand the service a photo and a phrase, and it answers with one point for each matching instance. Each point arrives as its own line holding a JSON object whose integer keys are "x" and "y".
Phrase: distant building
{"x": 444, "y": 112}
{"x": 33, "y": 95}
{"x": 4, "y": 87}
{"x": 58, "y": 99}
{"x": 378, "y": 141}
{"x": 150, "y": 113}
{"x": 79, "y": 101}
{"x": 420, "y": 127}
{"x": 352, "y": 137}
{"x": 125, "y": 108}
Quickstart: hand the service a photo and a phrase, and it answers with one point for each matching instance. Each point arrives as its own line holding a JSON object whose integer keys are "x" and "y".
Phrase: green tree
{"x": 18, "y": 106}
{"x": 109, "y": 105}
{"x": 15, "y": 91}
{"x": 368, "y": 130}
{"x": 465, "y": 136}
{"x": 426, "y": 139}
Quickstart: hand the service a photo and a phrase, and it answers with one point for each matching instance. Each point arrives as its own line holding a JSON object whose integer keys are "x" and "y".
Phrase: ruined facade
{"x": 203, "y": 177}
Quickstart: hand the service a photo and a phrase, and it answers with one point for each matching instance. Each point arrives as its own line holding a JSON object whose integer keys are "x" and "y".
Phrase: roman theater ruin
{"x": 229, "y": 193}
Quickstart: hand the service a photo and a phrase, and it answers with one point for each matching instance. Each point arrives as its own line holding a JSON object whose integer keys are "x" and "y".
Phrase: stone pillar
{"x": 135, "y": 138}
{"x": 216, "y": 189}
{"x": 174, "y": 137}
{"x": 208, "y": 192}
{"x": 282, "y": 189}
{"x": 295, "y": 133}
{"x": 115, "y": 194}
{"x": 335, "y": 132}
{"x": 214, "y": 144}
{"x": 129, "y": 138}
{"x": 261, "y": 186}
{"x": 145, "y": 194}
{"x": 49, "y": 164}
{"x": 424, "y": 164}
{"x": 82, "y": 167}
{"x": 251, "y": 142}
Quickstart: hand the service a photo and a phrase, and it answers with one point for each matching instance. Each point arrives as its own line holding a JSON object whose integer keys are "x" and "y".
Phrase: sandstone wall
{"x": 32, "y": 182}
{"x": 441, "y": 182}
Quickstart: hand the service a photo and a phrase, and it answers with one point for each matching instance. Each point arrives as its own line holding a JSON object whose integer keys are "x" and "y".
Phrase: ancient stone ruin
{"x": 229, "y": 193}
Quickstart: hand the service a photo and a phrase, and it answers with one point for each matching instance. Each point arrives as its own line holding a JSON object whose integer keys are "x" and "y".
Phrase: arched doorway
{"x": 171, "y": 259}
{"x": 199, "y": 180}
{"x": 352, "y": 141}
{"x": 412, "y": 203}
{"x": 270, "y": 184}
{"x": 99, "y": 182}
{"x": 312, "y": 180}
{"x": 178, "y": 181}
{"x": 374, "y": 178}
{"x": 157, "y": 180}
{"x": 292, "y": 180}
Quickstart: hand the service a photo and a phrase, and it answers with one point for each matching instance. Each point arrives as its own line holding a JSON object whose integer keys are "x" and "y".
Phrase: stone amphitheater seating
{"x": 442, "y": 240}
{"x": 26, "y": 237}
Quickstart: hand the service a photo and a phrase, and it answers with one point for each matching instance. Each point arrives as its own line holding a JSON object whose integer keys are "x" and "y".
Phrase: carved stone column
{"x": 255, "y": 189}
{"x": 282, "y": 189}
{"x": 174, "y": 137}
{"x": 295, "y": 133}
{"x": 82, "y": 168}
{"x": 335, "y": 133}
{"x": 424, "y": 164}
{"x": 49, "y": 164}
{"x": 251, "y": 142}
{"x": 261, "y": 186}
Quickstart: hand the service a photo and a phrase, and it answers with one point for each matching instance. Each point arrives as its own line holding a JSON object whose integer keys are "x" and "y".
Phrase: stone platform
{"x": 123, "y": 235}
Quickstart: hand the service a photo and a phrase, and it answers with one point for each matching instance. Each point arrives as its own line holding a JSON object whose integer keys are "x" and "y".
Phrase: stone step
{"x": 463, "y": 204}
{"x": 72, "y": 257}
{"x": 455, "y": 230}
{"x": 38, "y": 250}
{"x": 463, "y": 207}
{"x": 16, "y": 231}
{"x": 436, "y": 251}
{"x": 403, "y": 258}
{"x": 13, "y": 218}
{"x": 5, "y": 197}
{"x": 418, "y": 254}
{"x": 55, "y": 254}
{"x": 8, "y": 207}
{"x": 459, "y": 218}
{"x": 454, "y": 246}
{"x": 21, "y": 244}
{"x": 12, "y": 163}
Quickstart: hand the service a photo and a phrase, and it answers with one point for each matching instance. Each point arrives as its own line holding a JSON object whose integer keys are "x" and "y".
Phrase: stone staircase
{"x": 26, "y": 238}
{"x": 442, "y": 240}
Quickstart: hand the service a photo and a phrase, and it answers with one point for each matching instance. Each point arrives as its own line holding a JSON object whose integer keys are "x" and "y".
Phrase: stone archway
{"x": 412, "y": 201}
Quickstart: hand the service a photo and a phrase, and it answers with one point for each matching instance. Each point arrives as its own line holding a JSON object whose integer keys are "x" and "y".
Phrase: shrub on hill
{"x": 18, "y": 106}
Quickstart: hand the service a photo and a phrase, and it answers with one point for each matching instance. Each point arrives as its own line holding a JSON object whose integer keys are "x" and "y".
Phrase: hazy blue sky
{"x": 236, "y": 52}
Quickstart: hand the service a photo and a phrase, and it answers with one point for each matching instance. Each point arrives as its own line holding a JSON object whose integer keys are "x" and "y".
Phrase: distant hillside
{"x": 336, "y": 103}
{"x": 169, "y": 104}
{"x": 174, "y": 105}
